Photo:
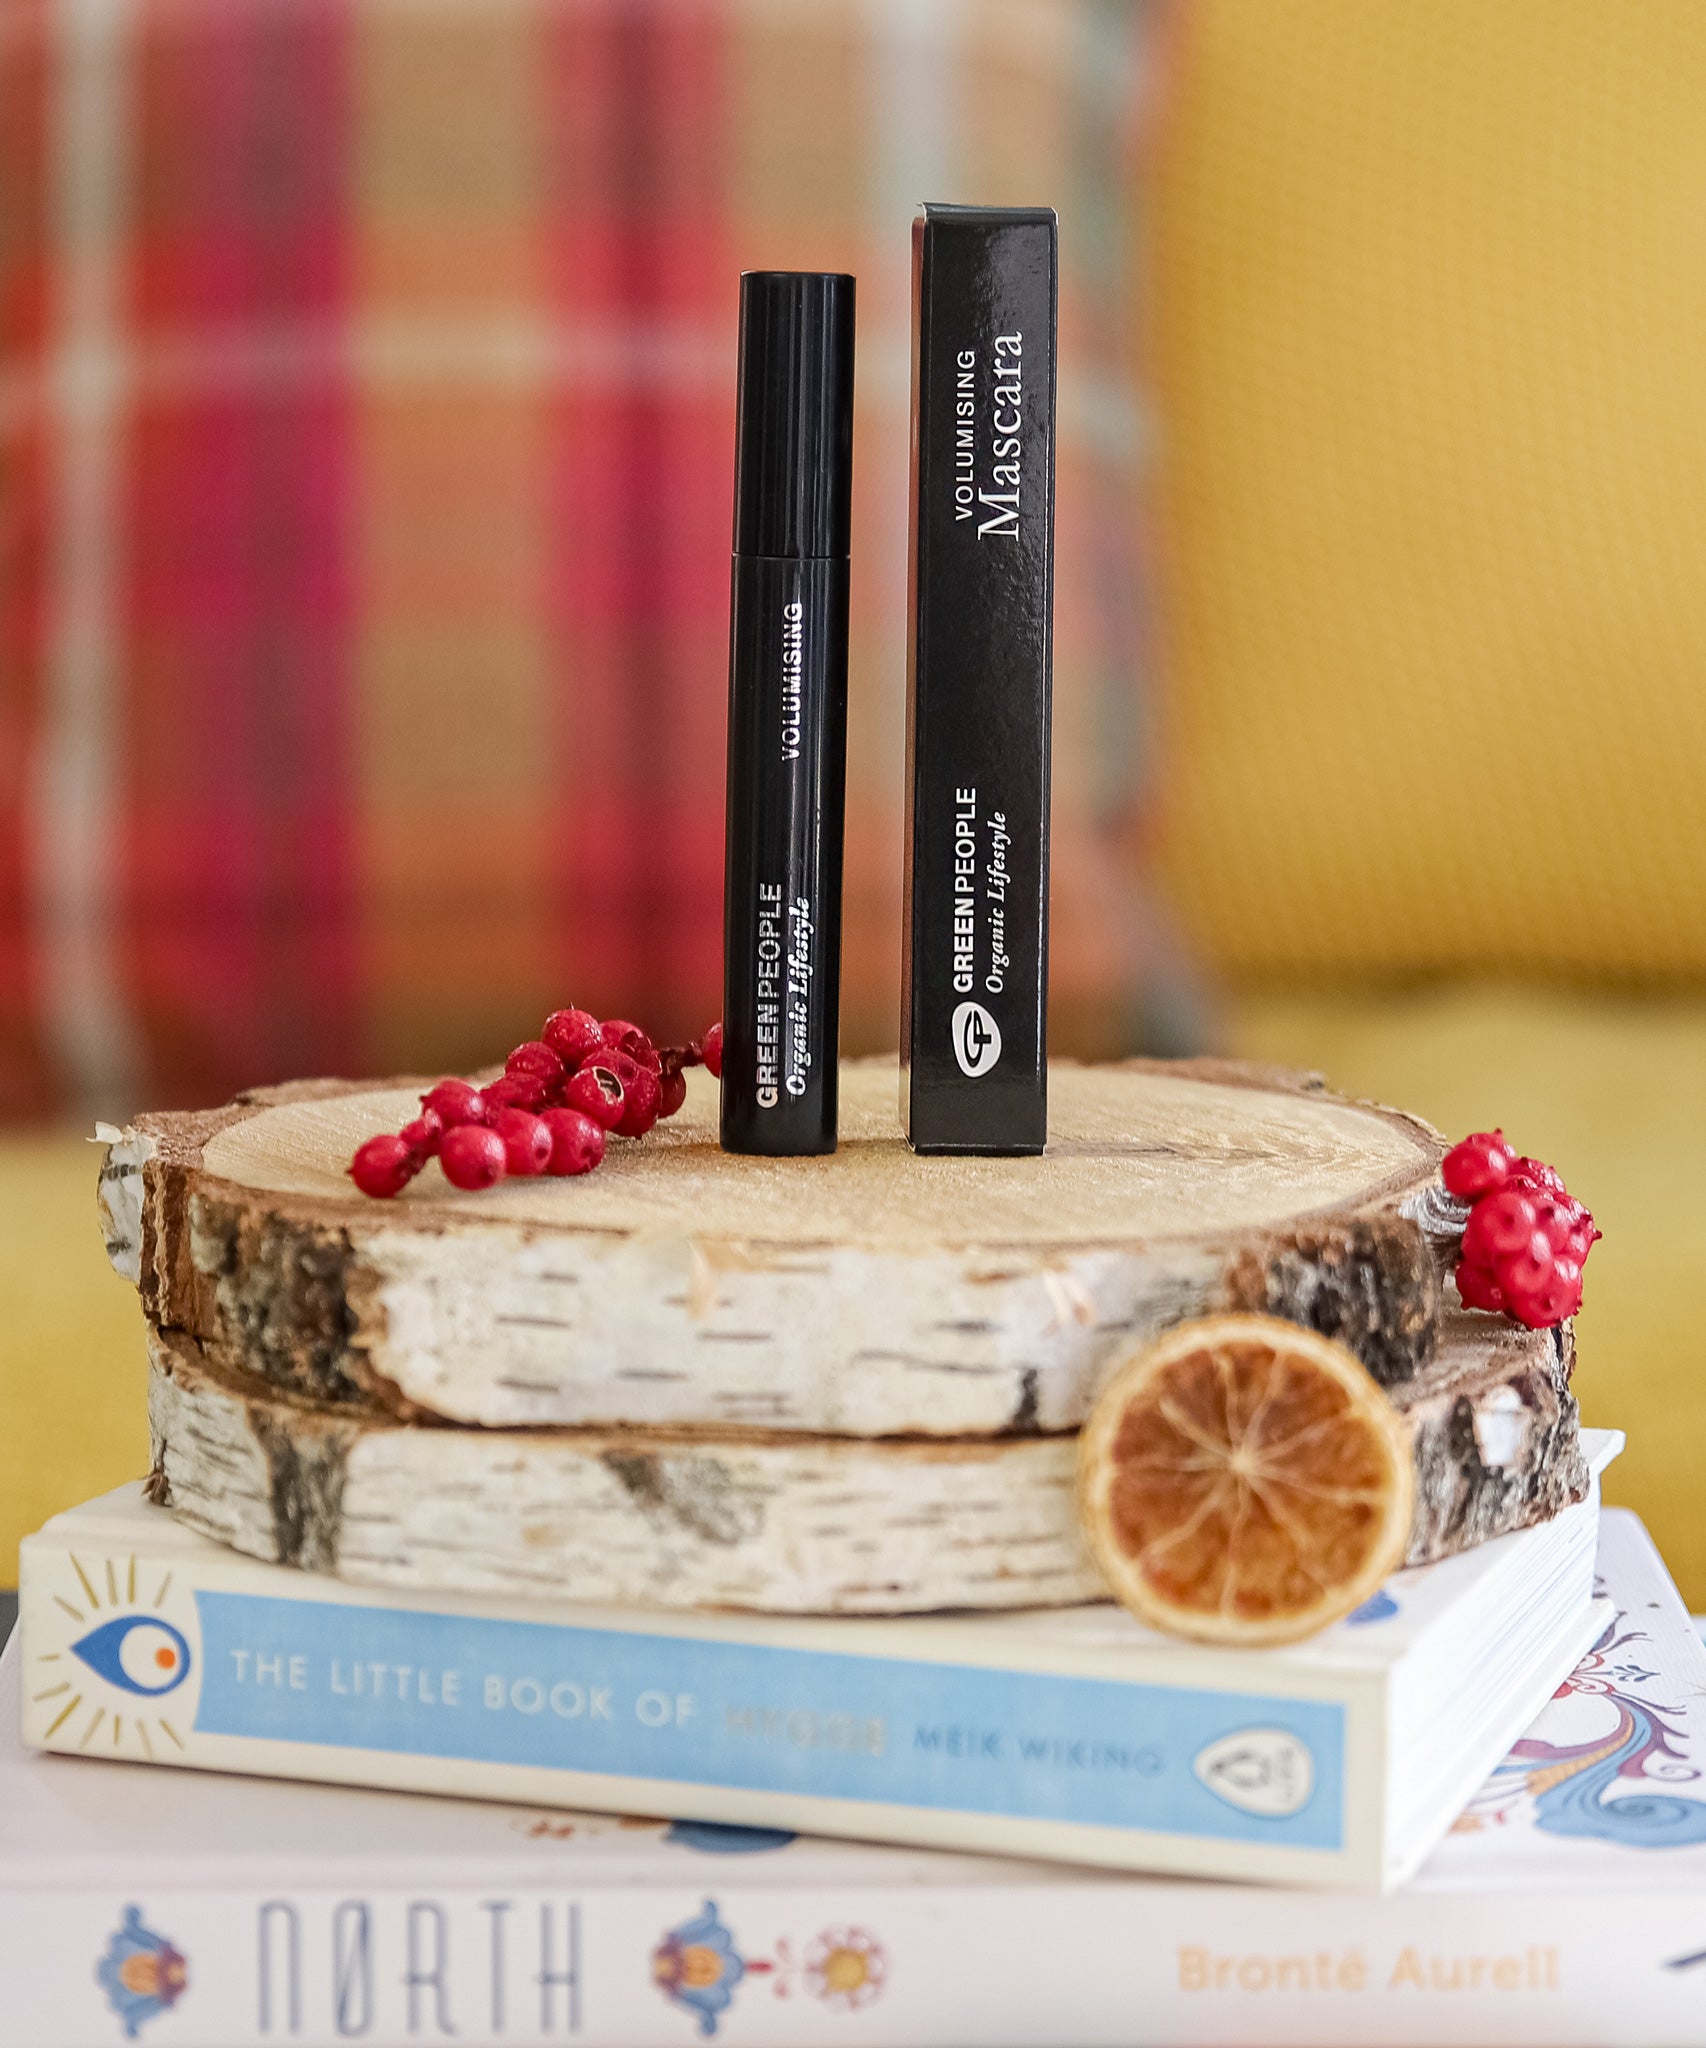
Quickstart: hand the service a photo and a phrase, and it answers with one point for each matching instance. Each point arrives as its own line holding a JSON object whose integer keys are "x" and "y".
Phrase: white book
{"x": 1567, "y": 1906}
{"x": 1073, "y": 1733}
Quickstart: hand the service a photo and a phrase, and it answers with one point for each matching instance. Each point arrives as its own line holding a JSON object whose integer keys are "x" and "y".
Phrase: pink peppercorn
{"x": 571, "y": 1035}
{"x": 596, "y": 1091}
{"x": 577, "y": 1143}
{"x": 1480, "y": 1165}
{"x": 473, "y": 1157}
{"x": 514, "y": 1091}
{"x": 455, "y": 1102}
{"x": 535, "y": 1057}
{"x": 526, "y": 1141}
{"x": 383, "y": 1167}
{"x": 1499, "y": 1225}
{"x": 422, "y": 1133}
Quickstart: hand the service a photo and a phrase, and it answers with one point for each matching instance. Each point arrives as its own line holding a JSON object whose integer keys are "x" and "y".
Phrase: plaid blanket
{"x": 366, "y": 381}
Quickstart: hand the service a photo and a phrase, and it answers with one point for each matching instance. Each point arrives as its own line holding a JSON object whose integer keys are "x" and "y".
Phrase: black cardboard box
{"x": 974, "y": 969}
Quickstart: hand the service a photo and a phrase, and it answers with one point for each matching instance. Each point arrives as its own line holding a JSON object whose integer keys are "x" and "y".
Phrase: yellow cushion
{"x": 1613, "y": 1092}
{"x": 73, "y": 1374}
{"x": 1429, "y": 291}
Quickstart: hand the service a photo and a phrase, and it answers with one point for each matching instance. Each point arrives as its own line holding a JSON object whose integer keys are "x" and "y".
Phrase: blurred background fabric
{"x": 365, "y": 417}
{"x": 1424, "y": 293}
{"x": 366, "y": 422}
{"x": 1428, "y": 289}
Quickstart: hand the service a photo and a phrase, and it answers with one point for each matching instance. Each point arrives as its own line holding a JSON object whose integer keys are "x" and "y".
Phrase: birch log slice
{"x": 786, "y": 1524}
{"x": 867, "y": 1293}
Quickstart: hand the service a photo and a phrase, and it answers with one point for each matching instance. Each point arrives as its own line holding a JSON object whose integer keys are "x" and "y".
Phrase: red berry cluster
{"x": 549, "y": 1111}
{"x": 1526, "y": 1240}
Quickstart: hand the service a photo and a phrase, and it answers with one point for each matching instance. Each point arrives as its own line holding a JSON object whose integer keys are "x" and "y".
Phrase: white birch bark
{"x": 869, "y": 1293}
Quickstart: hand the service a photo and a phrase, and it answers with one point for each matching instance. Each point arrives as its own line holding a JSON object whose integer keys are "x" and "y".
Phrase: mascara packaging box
{"x": 974, "y": 970}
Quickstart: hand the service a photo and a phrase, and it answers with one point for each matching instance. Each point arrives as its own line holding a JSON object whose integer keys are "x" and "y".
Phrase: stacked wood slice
{"x": 838, "y": 1385}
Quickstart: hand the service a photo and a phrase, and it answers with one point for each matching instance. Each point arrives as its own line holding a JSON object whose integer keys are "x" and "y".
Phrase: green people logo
{"x": 977, "y": 1040}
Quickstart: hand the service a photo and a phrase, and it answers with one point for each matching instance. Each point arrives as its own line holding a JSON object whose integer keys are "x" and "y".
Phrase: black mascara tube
{"x": 787, "y": 767}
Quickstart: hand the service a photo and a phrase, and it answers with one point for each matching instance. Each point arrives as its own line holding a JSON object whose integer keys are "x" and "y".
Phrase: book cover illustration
{"x": 141, "y": 1973}
{"x": 122, "y": 1649}
{"x": 1618, "y": 1756}
{"x": 699, "y": 1966}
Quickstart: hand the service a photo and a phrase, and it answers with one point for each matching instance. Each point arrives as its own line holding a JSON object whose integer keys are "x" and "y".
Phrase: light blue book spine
{"x": 180, "y": 1652}
{"x": 773, "y": 1720}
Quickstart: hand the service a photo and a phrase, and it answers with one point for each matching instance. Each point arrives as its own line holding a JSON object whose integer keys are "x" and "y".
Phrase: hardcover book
{"x": 1567, "y": 1906}
{"x": 1069, "y": 1733}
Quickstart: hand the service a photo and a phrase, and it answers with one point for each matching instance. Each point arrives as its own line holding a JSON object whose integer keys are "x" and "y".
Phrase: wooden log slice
{"x": 786, "y": 1524}
{"x": 868, "y": 1293}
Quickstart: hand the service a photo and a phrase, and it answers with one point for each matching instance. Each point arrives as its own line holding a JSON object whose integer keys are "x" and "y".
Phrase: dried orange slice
{"x": 1242, "y": 1480}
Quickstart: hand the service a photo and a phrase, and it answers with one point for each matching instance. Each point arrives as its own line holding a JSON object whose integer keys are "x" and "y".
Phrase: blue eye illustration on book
{"x": 138, "y": 1652}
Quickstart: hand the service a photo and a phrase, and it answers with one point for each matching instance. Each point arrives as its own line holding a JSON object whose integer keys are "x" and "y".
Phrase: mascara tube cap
{"x": 794, "y": 415}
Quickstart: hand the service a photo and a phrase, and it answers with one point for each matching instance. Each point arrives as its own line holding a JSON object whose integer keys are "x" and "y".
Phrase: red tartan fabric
{"x": 366, "y": 408}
